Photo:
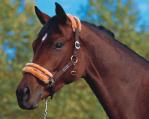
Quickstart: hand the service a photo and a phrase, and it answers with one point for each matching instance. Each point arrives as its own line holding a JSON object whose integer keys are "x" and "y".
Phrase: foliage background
{"x": 76, "y": 101}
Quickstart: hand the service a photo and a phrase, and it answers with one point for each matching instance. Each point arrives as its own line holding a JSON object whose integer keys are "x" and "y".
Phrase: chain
{"x": 46, "y": 109}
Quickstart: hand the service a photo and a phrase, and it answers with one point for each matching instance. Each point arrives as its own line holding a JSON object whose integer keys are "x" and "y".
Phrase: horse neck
{"x": 113, "y": 73}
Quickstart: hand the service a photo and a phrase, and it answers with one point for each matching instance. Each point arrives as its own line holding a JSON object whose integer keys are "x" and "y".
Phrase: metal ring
{"x": 74, "y": 59}
{"x": 77, "y": 45}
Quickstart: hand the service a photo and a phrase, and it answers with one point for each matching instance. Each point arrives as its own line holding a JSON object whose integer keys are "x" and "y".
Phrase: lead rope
{"x": 46, "y": 109}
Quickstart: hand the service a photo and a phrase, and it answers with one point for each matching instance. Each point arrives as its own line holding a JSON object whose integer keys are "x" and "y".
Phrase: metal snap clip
{"x": 52, "y": 82}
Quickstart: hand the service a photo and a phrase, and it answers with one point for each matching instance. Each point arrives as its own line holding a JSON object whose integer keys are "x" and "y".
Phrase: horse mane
{"x": 101, "y": 28}
{"x": 122, "y": 46}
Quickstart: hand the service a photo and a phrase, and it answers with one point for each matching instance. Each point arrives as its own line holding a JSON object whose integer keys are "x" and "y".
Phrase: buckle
{"x": 73, "y": 73}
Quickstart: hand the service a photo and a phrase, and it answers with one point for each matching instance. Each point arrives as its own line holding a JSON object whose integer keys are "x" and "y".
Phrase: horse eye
{"x": 59, "y": 45}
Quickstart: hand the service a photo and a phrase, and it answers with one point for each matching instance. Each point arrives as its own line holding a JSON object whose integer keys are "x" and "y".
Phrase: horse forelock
{"x": 53, "y": 26}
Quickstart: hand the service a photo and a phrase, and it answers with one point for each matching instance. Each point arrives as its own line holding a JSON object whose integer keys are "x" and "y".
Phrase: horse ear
{"x": 41, "y": 16}
{"x": 60, "y": 13}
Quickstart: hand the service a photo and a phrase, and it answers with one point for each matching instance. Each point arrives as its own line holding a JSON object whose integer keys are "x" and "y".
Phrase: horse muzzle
{"x": 23, "y": 96}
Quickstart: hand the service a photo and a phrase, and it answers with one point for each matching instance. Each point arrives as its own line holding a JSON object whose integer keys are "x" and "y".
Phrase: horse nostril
{"x": 26, "y": 93}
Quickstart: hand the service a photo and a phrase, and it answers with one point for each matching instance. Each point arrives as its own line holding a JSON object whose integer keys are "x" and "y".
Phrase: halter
{"x": 46, "y": 76}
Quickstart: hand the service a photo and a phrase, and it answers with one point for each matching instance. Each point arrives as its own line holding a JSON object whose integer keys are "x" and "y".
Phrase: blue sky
{"x": 70, "y": 6}
{"x": 144, "y": 10}
{"x": 73, "y": 7}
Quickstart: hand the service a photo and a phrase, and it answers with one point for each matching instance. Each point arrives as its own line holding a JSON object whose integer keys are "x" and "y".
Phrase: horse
{"x": 63, "y": 54}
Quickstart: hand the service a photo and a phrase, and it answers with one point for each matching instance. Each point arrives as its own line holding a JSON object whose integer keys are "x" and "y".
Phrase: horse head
{"x": 58, "y": 58}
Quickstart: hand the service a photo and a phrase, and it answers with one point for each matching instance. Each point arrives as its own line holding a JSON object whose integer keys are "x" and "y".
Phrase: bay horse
{"x": 117, "y": 75}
